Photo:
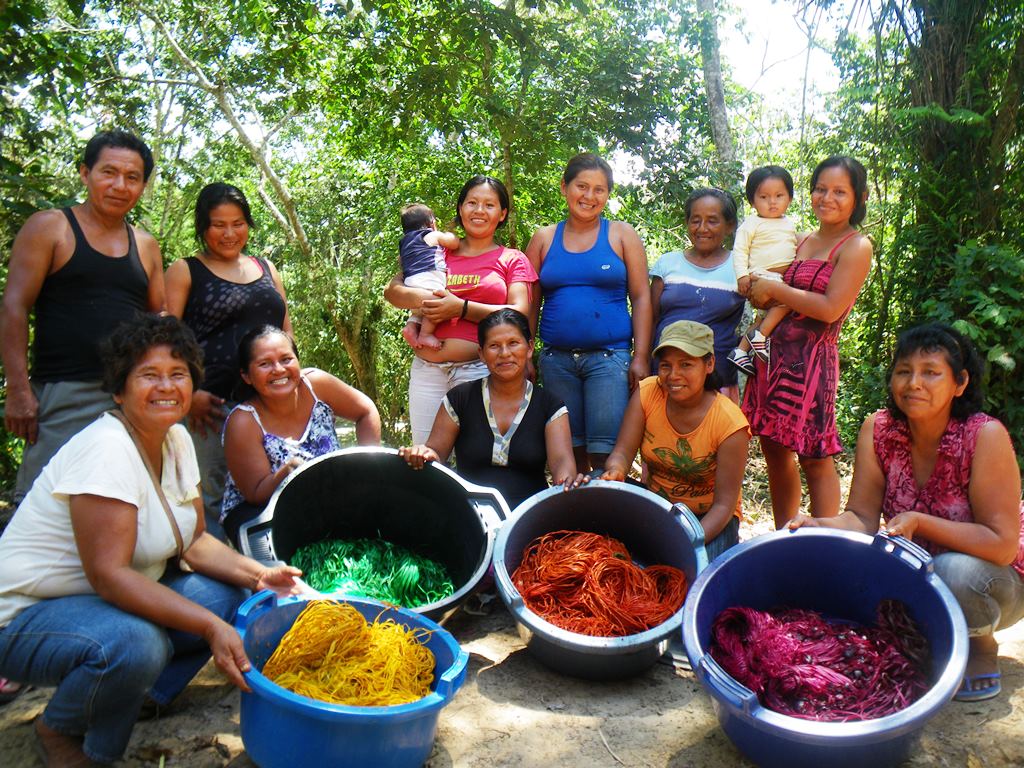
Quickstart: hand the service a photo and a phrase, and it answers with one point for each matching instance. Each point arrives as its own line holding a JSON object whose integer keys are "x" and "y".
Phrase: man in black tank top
{"x": 83, "y": 270}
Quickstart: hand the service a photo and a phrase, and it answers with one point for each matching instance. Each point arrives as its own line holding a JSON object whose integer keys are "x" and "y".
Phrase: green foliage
{"x": 984, "y": 299}
{"x": 330, "y": 117}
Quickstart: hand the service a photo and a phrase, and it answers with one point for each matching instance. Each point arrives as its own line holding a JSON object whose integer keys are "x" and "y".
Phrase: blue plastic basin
{"x": 654, "y": 532}
{"x": 843, "y": 575}
{"x": 281, "y": 729}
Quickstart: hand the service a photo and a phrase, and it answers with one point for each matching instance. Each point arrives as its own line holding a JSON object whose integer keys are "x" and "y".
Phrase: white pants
{"x": 428, "y": 384}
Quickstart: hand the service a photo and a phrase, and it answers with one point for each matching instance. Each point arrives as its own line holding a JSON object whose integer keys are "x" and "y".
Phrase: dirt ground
{"x": 514, "y": 712}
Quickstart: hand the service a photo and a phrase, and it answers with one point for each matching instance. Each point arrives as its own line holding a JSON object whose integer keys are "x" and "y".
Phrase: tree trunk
{"x": 729, "y": 168}
{"x": 506, "y": 165}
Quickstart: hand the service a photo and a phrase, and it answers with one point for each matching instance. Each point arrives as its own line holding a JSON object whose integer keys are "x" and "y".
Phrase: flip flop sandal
{"x": 979, "y": 694}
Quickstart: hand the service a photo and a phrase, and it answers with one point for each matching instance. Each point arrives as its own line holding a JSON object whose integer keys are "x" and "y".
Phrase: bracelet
{"x": 465, "y": 309}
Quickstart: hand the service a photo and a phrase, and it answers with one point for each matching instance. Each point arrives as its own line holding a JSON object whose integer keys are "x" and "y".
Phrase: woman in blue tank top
{"x": 595, "y": 351}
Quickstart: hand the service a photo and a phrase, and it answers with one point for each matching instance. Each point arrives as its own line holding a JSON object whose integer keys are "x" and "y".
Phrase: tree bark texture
{"x": 715, "y": 88}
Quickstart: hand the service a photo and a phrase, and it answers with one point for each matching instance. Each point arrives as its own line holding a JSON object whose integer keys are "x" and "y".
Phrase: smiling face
{"x": 115, "y": 182}
{"x": 505, "y": 351}
{"x": 586, "y": 194}
{"x": 833, "y": 199}
{"x": 157, "y": 392}
{"x": 481, "y": 212}
{"x": 682, "y": 376}
{"x": 227, "y": 233}
{"x": 771, "y": 198}
{"x": 274, "y": 369}
{"x": 923, "y": 385}
{"x": 707, "y": 226}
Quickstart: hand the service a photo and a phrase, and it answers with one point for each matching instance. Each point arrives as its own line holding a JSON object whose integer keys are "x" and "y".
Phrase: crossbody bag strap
{"x": 156, "y": 481}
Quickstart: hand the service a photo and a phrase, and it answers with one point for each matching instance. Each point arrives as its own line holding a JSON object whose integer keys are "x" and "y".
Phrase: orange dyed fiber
{"x": 588, "y": 583}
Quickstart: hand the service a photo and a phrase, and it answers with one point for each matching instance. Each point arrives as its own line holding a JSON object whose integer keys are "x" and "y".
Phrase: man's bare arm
{"x": 31, "y": 261}
{"x": 149, "y": 255}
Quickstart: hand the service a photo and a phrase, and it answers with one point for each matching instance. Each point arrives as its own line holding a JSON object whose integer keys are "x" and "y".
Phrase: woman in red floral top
{"x": 937, "y": 470}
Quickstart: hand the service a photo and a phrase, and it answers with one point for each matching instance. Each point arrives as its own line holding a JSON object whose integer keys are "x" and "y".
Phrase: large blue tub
{"x": 844, "y": 575}
{"x": 281, "y": 729}
{"x": 654, "y": 532}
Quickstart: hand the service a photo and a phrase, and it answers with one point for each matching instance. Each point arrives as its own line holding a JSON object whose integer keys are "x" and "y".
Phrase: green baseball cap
{"x": 693, "y": 338}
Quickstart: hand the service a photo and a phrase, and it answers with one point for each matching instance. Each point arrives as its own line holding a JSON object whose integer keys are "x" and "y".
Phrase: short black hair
{"x": 118, "y": 139}
{"x": 727, "y": 201}
{"x": 131, "y": 340}
{"x": 503, "y": 316}
{"x": 588, "y": 161}
{"x": 858, "y": 176}
{"x": 760, "y": 175}
{"x": 961, "y": 355}
{"x": 213, "y": 195}
{"x": 482, "y": 181}
{"x": 417, "y": 216}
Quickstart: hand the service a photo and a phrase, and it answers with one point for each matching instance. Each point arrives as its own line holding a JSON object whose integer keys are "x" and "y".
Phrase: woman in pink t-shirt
{"x": 937, "y": 470}
{"x": 483, "y": 276}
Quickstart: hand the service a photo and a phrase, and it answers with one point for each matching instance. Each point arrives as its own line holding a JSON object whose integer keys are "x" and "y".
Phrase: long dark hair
{"x": 248, "y": 341}
{"x": 588, "y": 161}
{"x": 961, "y": 356}
{"x": 858, "y": 176}
{"x": 504, "y": 316}
{"x": 213, "y": 195}
{"x": 482, "y": 181}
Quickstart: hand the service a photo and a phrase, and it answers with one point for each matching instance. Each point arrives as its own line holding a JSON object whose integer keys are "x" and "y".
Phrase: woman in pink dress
{"x": 937, "y": 470}
{"x": 791, "y": 400}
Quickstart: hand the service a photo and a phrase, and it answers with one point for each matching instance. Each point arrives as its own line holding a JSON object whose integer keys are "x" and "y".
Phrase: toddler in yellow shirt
{"x": 765, "y": 246}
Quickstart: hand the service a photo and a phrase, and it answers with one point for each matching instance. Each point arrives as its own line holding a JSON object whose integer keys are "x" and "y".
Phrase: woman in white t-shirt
{"x": 92, "y": 600}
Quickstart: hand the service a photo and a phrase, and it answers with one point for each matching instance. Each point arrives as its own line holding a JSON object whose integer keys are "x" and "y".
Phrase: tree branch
{"x": 219, "y": 92}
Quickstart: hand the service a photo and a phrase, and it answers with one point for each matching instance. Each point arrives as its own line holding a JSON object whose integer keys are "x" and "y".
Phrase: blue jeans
{"x": 594, "y": 385}
{"x": 104, "y": 661}
{"x": 991, "y": 596}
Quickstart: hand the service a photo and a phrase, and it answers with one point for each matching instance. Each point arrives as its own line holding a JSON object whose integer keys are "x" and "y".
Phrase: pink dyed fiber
{"x": 801, "y": 665}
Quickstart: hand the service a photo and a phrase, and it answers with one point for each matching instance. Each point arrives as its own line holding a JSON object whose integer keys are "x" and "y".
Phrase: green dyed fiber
{"x": 373, "y": 568}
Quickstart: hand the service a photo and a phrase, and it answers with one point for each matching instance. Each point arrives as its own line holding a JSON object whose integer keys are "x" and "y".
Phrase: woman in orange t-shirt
{"x": 693, "y": 439}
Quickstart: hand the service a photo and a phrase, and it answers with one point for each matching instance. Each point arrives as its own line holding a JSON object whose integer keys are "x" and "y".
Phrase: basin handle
{"x": 915, "y": 556}
{"x": 689, "y": 521}
{"x": 254, "y": 606}
{"x": 451, "y": 676}
{"x": 488, "y": 508}
{"x": 738, "y": 696}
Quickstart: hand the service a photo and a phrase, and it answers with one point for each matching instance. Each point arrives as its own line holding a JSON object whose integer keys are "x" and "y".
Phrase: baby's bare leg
{"x": 411, "y": 333}
{"x": 771, "y": 319}
{"x": 427, "y": 338}
{"x": 451, "y": 351}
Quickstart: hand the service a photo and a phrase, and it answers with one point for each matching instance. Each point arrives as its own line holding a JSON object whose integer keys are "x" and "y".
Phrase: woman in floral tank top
{"x": 937, "y": 470}
{"x": 288, "y": 420}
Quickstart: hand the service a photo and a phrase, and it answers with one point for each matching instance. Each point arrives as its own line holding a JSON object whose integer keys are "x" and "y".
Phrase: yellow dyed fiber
{"x": 331, "y": 654}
